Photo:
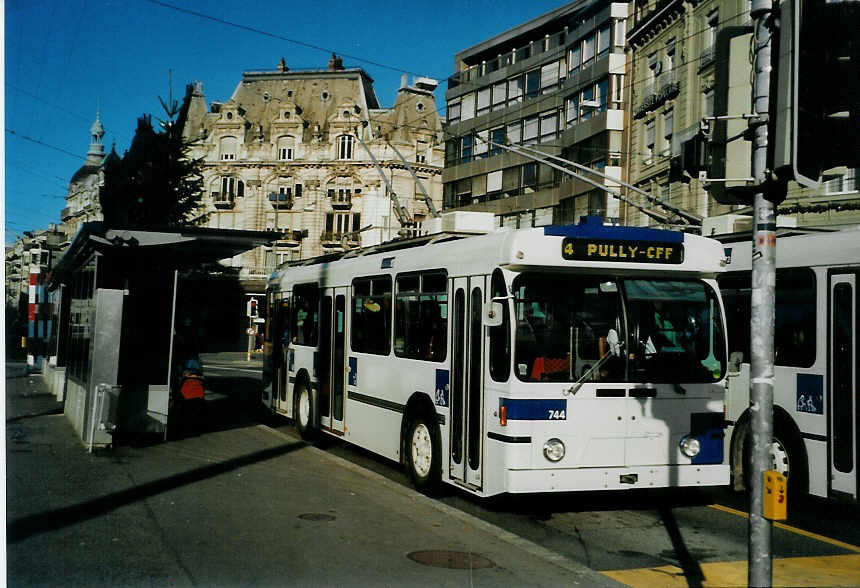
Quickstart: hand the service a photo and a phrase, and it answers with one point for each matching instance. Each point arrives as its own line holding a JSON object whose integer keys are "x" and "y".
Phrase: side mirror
{"x": 493, "y": 313}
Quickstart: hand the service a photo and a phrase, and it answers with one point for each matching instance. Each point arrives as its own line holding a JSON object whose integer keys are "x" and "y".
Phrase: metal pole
{"x": 762, "y": 305}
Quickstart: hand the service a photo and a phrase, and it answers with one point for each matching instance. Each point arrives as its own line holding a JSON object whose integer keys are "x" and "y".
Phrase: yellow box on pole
{"x": 775, "y": 496}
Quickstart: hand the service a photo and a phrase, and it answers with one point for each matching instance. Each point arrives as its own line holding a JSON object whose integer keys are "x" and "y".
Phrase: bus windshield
{"x": 643, "y": 330}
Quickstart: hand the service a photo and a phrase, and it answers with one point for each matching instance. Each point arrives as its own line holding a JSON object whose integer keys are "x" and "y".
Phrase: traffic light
{"x": 817, "y": 91}
{"x": 252, "y": 308}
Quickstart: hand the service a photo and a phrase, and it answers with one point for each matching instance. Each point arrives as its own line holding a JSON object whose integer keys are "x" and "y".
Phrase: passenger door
{"x": 332, "y": 360}
{"x": 466, "y": 447}
{"x": 844, "y": 389}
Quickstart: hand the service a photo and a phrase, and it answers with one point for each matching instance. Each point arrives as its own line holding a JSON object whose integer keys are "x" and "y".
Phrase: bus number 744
{"x": 556, "y": 415}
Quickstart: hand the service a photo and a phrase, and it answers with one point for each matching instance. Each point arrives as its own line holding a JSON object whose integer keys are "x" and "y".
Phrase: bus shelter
{"x": 125, "y": 321}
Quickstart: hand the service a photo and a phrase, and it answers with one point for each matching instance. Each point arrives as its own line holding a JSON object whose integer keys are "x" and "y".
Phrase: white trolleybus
{"x": 816, "y": 414}
{"x": 558, "y": 358}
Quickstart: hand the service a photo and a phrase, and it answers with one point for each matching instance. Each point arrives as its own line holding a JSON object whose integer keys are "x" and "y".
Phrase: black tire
{"x": 303, "y": 411}
{"x": 424, "y": 455}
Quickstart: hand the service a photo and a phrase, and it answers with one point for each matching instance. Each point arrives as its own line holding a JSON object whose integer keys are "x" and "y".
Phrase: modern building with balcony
{"x": 554, "y": 85}
{"x": 288, "y": 152}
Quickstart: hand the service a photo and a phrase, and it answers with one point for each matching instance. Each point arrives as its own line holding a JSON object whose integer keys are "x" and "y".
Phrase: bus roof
{"x": 587, "y": 246}
{"x": 802, "y": 250}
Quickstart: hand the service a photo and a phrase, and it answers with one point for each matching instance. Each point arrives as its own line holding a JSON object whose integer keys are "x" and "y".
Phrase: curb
{"x": 584, "y": 575}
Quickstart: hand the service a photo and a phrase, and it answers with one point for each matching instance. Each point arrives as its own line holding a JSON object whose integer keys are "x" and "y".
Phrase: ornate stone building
{"x": 288, "y": 152}
{"x": 82, "y": 198}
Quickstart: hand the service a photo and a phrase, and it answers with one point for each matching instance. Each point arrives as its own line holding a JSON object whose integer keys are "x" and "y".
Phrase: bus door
{"x": 844, "y": 388}
{"x": 280, "y": 357}
{"x": 466, "y": 448}
{"x": 332, "y": 359}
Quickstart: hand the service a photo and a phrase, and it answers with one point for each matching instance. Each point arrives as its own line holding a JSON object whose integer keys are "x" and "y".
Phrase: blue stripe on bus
{"x": 592, "y": 227}
{"x": 534, "y": 409}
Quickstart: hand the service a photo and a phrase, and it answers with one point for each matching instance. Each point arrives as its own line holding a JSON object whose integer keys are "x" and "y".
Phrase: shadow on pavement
{"x": 43, "y": 522}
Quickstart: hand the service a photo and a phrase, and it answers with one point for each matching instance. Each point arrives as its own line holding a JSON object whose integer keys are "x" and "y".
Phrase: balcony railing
{"x": 281, "y": 201}
{"x": 341, "y": 200}
{"x": 223, "y": 200}
{"x": 507, "y": 58}
{"x": 66, "y": 213}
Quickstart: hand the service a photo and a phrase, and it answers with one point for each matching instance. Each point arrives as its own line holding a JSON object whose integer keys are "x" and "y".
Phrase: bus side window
{"x": 305, "y": 315}
{"x": 421, "y": 316}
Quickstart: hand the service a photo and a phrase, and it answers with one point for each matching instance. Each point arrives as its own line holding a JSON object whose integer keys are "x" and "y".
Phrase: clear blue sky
{"x": 67, "y": 59}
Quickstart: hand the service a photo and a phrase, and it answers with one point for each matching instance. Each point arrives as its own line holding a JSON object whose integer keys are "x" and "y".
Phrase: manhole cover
{"x": 316, "y": 516}
{"x": 455, "y": 560}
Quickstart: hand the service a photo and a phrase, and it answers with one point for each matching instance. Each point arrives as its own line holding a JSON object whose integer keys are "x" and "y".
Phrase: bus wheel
{"x": 787, "y": 458}
{"x": 424, "y": 455}
{"x": 304, "y": 411}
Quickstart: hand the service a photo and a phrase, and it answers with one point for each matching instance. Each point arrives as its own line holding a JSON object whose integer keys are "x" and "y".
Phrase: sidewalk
{"x": 243, "y": 506}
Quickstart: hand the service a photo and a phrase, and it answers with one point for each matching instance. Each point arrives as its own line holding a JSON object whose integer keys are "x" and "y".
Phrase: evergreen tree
{"x": 154, "y": 184}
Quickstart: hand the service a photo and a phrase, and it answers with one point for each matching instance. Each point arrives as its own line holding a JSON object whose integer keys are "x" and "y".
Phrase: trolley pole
{"x": 763, "y": 296}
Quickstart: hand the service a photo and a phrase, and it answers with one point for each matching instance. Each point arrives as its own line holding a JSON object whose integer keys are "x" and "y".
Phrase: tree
{"x": 155, "y": 184}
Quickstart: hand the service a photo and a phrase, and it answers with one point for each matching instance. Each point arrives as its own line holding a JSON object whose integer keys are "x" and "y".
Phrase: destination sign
{"x": 622, "y": 251}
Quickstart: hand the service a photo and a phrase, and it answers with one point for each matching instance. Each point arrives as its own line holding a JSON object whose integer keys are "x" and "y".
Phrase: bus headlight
{"x": 553, "y": 449}
{"x": 690, "y": 446}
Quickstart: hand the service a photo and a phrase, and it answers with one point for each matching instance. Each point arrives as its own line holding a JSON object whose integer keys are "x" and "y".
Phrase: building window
{"x": 620, "y": 32}
{"x": 670, "y": 61}
{"x": 463, "y": 192}
{"x": 572, "y": 107}
{"x": 467, "y": 110}
{"x": 483, "y": 101}
{"x": 481, "y": 146}
{"x": 648, "y": 147}
{"x": 339, "y": 223}
{"x": 494, "y": 184}
{"x": 466, "y": 149}
{"x": 548, "y": 126}
{"x": 589, "y": 104}
{"x": 500, "y": 94}
{"x": 549, "y": 77}
{"x": 344, "y": 146}
{"x": 708, "y": 102}
{"x": 341, "y": 190}
{"x": 515, "y": 90}
{"x": 529, "y": 177}
{"x": 454, "y": 110}
{"x": 602, "y": 97}
{"x": 842, "y": 184}
{"x": 532, "y": 83}
{"x": 497, "y": 136}
{"x": 231, "y": 188}
{"x": 588, "y": 50}
{"x": 574, "y": 57}
{"x": 653, "y": 72}
{"x": 603, "y": 41}
{"x": 286, "y": 148}
{"x": 421, "y": 152}
{"x": 668, "y": 129}
{"x": 530, "y": 130}
{"x": 514, "y": 131}
{"x": 228, "y": 148}
{"x": 709, "y": 36}
{"x": 617, "y": 91}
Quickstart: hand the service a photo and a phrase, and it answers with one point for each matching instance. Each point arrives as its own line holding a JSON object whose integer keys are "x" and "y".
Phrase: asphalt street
{"x": 240, "y": 504}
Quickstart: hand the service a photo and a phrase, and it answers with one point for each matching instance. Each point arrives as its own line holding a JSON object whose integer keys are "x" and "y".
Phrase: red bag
{"x": 192, "y": 388}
